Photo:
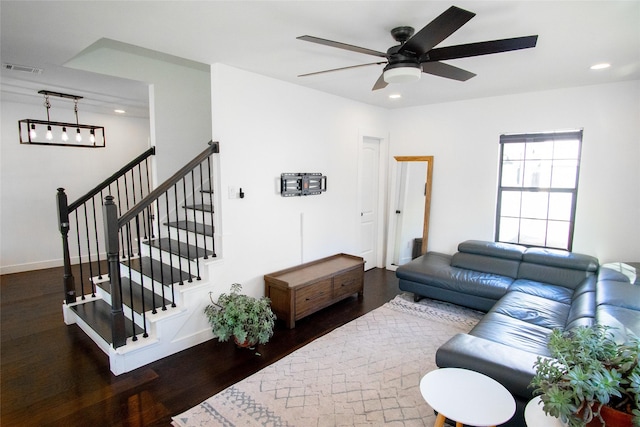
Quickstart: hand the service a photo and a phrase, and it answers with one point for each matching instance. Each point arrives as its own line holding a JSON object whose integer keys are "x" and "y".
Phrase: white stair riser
{"x": 147, "y": 283}
{"x": 183, "y": 236}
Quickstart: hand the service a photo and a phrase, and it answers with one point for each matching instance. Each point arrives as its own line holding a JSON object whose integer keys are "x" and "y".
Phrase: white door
{"x": 369, "y": 175}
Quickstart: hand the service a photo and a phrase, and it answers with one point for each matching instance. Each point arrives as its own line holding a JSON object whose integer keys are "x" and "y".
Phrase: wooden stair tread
{"x": 206, "y": 207}
{"x": 137, "y": 295}
{"x": 195, "y": 227}
{"x": 180, "y": 248}
{"x": 97, "y": 314}
{"x": 160, "y": 272}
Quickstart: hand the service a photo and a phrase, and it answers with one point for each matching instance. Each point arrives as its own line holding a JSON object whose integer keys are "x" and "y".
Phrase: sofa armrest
{"x": 511, "y": 367}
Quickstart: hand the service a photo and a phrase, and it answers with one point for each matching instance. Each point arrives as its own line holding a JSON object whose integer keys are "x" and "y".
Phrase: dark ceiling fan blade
{"x": 341, "y": 68}
{"x": 441, "y": 69}
{"x": 380, "y": 83}
{"x": 481, "y": 48}
{"x": 345, "y": 46}
{"x": 437, "y": 30}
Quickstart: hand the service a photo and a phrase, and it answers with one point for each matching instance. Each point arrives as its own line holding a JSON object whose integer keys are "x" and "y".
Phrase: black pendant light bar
{"x": 47, "y": 132}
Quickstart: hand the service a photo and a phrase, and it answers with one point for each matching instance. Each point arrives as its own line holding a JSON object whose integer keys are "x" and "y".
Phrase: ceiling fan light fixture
{"x": 402, "y": 75}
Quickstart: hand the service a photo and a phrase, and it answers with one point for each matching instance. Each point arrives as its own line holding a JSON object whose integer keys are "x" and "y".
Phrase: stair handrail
{"x": 64, "y": 209}
{"x": 104, "y": 184}
{"x": 112, "y": 229}
{"x": 213, "y": 148}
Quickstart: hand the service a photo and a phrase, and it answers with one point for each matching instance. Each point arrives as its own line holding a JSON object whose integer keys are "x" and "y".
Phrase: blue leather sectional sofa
{"x": 526, "y": 292}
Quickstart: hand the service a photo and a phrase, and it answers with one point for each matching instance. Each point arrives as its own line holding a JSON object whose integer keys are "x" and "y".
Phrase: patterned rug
{"x": 364, "y": 373}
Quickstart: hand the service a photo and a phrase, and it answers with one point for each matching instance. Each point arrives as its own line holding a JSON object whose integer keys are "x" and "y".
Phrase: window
{"x": 537, "y": 188}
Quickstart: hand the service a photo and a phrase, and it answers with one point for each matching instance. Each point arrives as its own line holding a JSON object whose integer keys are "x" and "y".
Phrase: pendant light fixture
{"x": 88, "y": 136}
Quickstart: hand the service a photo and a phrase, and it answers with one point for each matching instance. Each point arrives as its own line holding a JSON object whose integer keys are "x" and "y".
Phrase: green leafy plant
{"x": 588, "y": 370}
{"x": 249, "y": 320}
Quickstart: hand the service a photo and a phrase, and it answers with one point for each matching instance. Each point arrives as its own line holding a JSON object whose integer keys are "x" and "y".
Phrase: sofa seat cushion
{"x": 434, "y": 269}
{"x": 533, "y": 309}
{"x": 513, "y": 332}
{"x": 618, "y": 293}
{"x": 624, "y": 321}
{"x": 543, "y": 290}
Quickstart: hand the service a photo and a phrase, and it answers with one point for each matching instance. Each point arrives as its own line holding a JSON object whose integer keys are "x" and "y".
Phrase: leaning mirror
{"x": 409, "y": 208}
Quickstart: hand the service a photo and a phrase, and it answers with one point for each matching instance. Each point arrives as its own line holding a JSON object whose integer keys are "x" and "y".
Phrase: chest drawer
{"x": 309, "y": 298}
{"x": 347, "y": 283}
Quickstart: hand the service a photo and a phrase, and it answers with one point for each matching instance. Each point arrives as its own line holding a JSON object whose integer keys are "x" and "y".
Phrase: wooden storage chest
{"x": 299, "y": 291}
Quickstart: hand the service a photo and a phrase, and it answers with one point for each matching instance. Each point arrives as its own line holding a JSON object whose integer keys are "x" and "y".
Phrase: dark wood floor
{"x": 52, "y": 374}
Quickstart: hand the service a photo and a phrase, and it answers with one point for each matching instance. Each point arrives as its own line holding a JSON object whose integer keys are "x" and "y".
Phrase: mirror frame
{"x": 427, "y": 199}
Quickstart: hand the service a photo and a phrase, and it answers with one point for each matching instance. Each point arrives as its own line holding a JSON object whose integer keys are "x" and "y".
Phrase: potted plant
{"x": 588, "y": 375}
{"x": 247, "y": 319}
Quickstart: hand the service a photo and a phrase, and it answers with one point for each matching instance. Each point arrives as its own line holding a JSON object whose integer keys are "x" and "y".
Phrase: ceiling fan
{"x": 416, "y": 53}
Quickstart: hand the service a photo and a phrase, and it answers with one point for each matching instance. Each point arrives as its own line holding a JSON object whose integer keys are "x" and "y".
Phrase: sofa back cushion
{"x": 492, "y": 249}
{"x": 489, "y": 257}
{"x": 557, "y": 267}
{"x": 486, "y": 264}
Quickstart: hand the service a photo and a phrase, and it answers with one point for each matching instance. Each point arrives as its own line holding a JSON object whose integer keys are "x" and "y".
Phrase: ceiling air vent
{"x": 22, "y": 68}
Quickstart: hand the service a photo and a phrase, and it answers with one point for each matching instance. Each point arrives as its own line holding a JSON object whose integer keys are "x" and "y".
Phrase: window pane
{"x": 564, "y": 174}
{"x": 537, "y": 173}
{"x": 538, "y": 187}
{"x": 512, "y": 173}
{"x": 532, "y": 232}
{"x": 560, "y": 206}
{"x": 539, "y": 150}
{"x": 534, "y": 205}
{"x": 509, "y": 230}
{"x": 510, "y": 203}
{"x": 513, "y": 151}
{"x": 558, "y": 234}
{"x": 566, "y": 149}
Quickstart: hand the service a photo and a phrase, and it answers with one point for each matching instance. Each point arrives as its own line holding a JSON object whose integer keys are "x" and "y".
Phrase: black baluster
{"x": 166, "y": 200}
{"x": 86, "y": 228}
{"x": 213, "y": 247}
{"x": 120, "y": 213}
{"x": 195, "y": 225}
{"x": 144, "y": 217}
{"x": 204, "y": 226}
{"x": 95, "y": 229}
{"x": 186, "y": 216}
{"x": 175, "y": 191}
{"x": 80, "y": 258}
{"x": 130, "y": 251}
{"x": 153, "y": 283}
{"x": 144, "y": 314}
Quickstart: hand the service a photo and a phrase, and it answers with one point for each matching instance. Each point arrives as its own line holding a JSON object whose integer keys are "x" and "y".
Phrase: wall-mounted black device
{"x": 302, "y": 184}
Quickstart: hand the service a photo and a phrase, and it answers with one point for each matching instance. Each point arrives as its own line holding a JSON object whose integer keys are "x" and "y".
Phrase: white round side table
{"x": 534, "y": 415}
{"x": 467, "y": 397}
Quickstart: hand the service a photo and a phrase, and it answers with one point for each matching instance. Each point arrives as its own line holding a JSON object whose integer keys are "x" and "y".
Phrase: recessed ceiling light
{"x": 395, "y": 96}
{"x": 118, "y": 111}
{"x": 600, "y": 66}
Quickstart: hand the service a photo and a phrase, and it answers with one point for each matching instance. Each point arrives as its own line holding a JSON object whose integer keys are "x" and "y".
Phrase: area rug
{"x": 365, "y": 373}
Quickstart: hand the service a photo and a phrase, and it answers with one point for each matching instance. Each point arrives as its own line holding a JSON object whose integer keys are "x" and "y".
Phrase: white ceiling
{"x": 260, "y": 36}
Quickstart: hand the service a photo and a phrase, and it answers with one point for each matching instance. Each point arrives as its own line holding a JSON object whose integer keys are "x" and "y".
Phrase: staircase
{"x": 161, "y": 252}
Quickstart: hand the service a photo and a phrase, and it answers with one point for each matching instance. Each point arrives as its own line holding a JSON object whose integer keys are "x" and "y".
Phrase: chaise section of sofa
{"x": 526, "y": 292}
{"x": 477, "y": 276}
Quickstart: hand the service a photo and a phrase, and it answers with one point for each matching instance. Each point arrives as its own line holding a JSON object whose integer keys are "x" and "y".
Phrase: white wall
{"x": 267, "y": 127}
{"x": 463, "y": 137}
{"x": 30, "y": 175}
{"x": 180, "y": 97}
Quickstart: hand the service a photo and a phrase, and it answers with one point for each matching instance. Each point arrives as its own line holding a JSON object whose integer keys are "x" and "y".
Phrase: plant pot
{"x": 612, "y": 418}
{"x": 245, "y": 344}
